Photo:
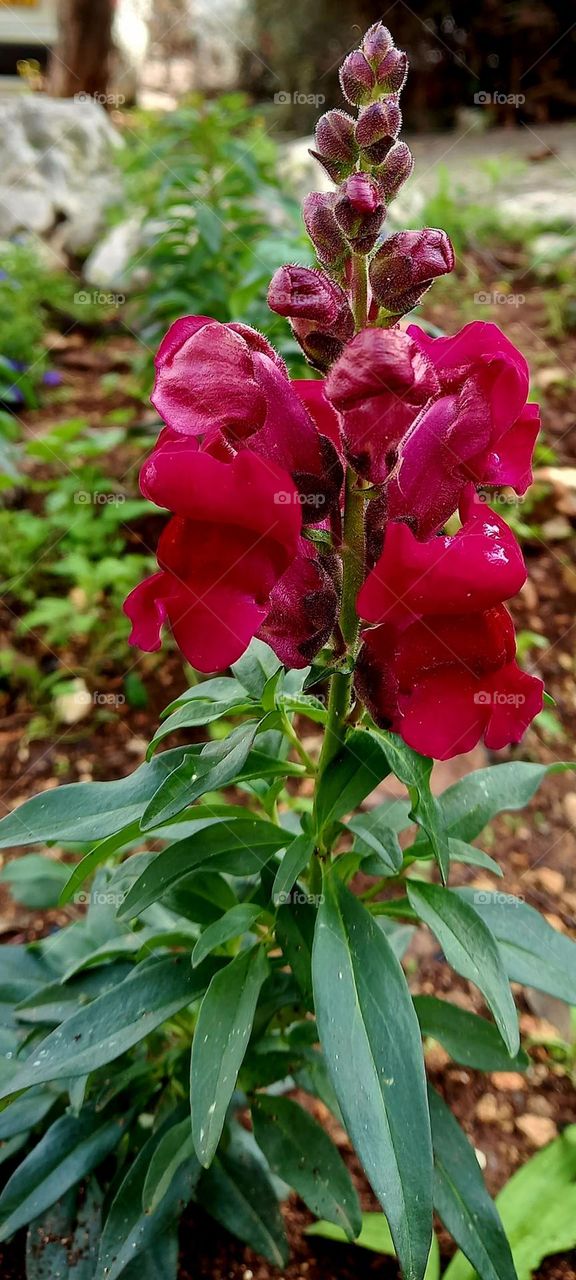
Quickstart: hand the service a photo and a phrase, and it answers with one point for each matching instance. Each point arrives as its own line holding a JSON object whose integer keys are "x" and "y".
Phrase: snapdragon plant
{"x": 236, "y": 948}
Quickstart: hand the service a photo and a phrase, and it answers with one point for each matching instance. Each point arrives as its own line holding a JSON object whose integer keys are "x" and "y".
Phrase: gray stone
{"x": 57, "y": 169}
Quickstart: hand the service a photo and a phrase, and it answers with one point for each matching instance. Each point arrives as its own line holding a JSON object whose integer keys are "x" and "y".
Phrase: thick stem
{"x": 359, "y": 290}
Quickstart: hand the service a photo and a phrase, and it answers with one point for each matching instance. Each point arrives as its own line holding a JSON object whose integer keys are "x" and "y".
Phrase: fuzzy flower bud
{"x": 376, "y": 44}
{"x": 318, "y": 310}
{"x": 360, "y": 211}
{"x": 357, "y": 79}
{"x": 337, "y": 150}
{"x": 404, "y": 268}
{"x": 323, "y": 229}
{"x": 378, "y": 125}
{"x": 391, "y": 72}
{"x": 395, "y": 170}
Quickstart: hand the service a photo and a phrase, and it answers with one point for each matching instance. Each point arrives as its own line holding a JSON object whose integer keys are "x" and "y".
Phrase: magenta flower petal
{"x": 378, "y": 386}
{"x": 312, "y": 394}
{"x": 204, "y": 378}
{"x": 478, "y": 567}
{"x": 509, "y": 461}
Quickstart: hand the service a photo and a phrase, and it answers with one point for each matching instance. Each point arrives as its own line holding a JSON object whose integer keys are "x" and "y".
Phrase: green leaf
{"x": 220, "y": 1041}
{"x": 460, "y": 851}
{"x": 237, "y": 1191}
{"x": 217, "y": 764}
{"x": 69, "y": 1150}
{"x": 196, "y": 713}
{"x": 293, "y": 863}
{"x": 538, "y": 1207}
{"x": 128, "y": 1231}
{"x": 232, "y": 924}
{"x": 34, "y": 880}
{"x": 302, "y": 1154}
{"x": 87, "y": 810}
{"x": 470, "y": 1040}
{"x": 303, "y": 704}
{"x": 174, "y": 1149}
{"x": 254, "y": 669}
{"x": 472, "y": 951}
{"x": 469, "y": 804}
{"x": 218, "y": 689}
{"x": 375, "y": 1236}
{"x": 371, "y": 1038}
{"x": 64, "y": 1240}
{"x": 241, "y": 847}
{"x": 25, "y": 1113}
{"x": 373, "y": 837}
{"x": 532, "y": 952}
{"x": 295, "y": 922}
{"x": 414, "y": 771}
{"x": 461, "y": 1199}
{"x": 358, "y": 768}
{"x": 114, "y": 1022}
{"x": 56, "y": 1001}
{"x": 104, "y": 850}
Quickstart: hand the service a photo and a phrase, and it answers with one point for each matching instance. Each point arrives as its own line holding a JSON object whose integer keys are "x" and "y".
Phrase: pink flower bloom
{"x": 378, "y": 386}
{"x": 225, "y": 381}
{"x": 482, "y": 352}
{"x": 234, "y": 533}
{"x": 439, "y": 668}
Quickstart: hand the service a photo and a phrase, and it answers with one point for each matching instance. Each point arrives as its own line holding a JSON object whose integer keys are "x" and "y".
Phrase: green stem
{"x": 359, "y": 290}
{"x": 290, "y": 733}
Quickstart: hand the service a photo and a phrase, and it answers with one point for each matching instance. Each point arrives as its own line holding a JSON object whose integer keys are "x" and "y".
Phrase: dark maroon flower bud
{"x": 357, "y": 79}
{"x": 395, "y": 170}
{"x": 337, "y": 148}
{"x": 405, "y": 266}
{"x": 377, "y": 127}
{"x": 376, "y": 44}
{"x": 360, "y": 211}
{"x": 318, "y": 310}
{"x": 304, "y": 293}
{"x": 323, "y": 229}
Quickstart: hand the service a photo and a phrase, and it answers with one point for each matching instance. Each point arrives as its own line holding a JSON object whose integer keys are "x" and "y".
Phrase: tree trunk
{"x": 82, "y": 58}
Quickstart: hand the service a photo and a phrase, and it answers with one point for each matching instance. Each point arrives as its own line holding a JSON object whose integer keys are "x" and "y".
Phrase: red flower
{"x": 225, "y": 381}
{"x": 234, "y": 533}
{"x": 439, "y": 668}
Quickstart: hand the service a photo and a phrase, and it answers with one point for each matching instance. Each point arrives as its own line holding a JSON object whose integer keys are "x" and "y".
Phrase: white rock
{"x": 107, "y": 266}
{"x": 56, "y": 167}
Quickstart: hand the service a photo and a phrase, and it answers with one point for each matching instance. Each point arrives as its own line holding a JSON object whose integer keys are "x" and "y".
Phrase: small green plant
{"x": 217, "y": 222}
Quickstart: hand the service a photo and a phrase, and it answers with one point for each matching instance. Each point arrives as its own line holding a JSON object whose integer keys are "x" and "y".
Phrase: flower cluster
{"x": 252, "y": 465}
